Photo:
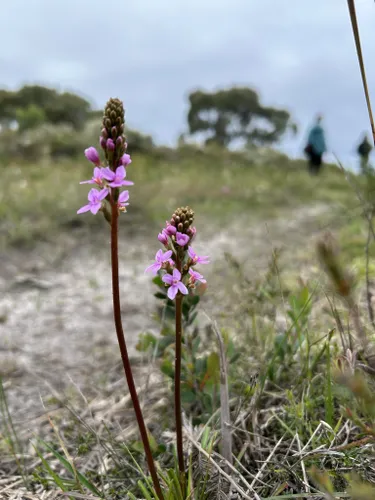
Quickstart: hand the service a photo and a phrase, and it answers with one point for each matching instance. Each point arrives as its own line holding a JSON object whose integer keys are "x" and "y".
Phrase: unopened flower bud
{"x": 110, "y": 145}
{"x": 163, "y": 238}
{"x": 183, "y": 218}
{"x": 170, "y": 230}
{"x": 104, "y": 133}
{"x": 92, "y": 155}
{"x": 119, "y": 142}
{"x": 114, "y": 132}
{"x": 125, "y": 160}
{"x": 103, "y": 143}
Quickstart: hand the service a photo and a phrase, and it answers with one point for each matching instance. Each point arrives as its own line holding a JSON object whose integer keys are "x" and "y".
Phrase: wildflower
{"x": 125, "y": 160}
{"x": 160, "y": 259}
{"x": 116, "y": 178}
{"x": 181, "y": 239}
{"x": 170, "y": 230}
{"x": 175, "y": 284}
{"x": 97, "y": 178}
{"x": 92, "y": 155}
{"x": 122, "y": 199}
{"x": 196, "y": 258}
{"x": 195, "y": 276}
{"x": 163, "y": 237}
{"x": 95, "y": 198}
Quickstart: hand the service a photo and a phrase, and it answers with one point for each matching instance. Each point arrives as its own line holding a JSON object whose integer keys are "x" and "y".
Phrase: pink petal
{"x": 176, "y": 274}
{"x": 93, "y": 195}
{"x": 95, "y": 207}
{"x": 182, "y": 288}
{"x": 121, "y": 172}
{"x": 103, "y": 194}
{"x": 159, "y": 256}
{"x": 191, "y": 253}
{"x": 166, "y": 255}
{"x": 97, "y": 172}
{"x": 124, "y": 196}
{"x": 167, "y": 278}
{"x": 154, "y": 268}
{"x": 203, "y": 260}
{"x": 172, "y": 292}
{"x": 108, "y": 174}
{"x": 84, "y": 209}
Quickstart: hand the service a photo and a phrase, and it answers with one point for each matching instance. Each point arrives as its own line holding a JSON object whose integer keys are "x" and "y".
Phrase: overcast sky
{"x": 298, "y": 53}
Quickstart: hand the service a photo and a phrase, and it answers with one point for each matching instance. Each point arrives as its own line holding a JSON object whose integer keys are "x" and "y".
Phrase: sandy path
{"x": 55, "y": 310}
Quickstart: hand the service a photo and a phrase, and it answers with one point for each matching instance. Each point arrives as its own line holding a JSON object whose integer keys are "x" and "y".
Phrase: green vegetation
{"x": 301, "y": 394}
{"x": 42, "y": 197}
{"x": 236, "y": 114}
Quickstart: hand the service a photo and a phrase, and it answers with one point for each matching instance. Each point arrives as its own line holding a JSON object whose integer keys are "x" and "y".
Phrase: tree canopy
{"x": 236, "y": 113}
{"x": 32, "y": 104}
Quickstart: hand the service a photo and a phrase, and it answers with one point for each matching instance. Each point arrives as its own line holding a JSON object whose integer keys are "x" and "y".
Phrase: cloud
{"x": 297, "y": 54}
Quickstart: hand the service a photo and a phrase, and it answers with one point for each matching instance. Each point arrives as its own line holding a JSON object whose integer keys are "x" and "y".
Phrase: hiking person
{"x": 364, "y": 149}
{"x": 316, "y": 146}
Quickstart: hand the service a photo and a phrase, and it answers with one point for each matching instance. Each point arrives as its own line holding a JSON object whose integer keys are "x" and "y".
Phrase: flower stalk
{"x": 110, "y": 201}
{"x": 177, "y": 378}
{"x": 176, "y": 267}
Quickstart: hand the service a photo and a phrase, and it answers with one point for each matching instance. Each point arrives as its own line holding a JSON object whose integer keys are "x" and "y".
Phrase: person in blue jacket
{"x": 316, "y": 146}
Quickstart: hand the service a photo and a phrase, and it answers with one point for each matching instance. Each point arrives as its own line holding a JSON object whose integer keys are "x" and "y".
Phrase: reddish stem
{"x": 124, "y": 351}
{"x": 177, "y": 378}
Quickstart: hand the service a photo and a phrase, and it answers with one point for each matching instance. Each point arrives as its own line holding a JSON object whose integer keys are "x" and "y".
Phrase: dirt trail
{"x": 55, "y": 311}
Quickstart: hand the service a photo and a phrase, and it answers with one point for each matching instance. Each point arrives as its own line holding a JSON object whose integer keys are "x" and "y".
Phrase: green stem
{"x": 124, "y": 351}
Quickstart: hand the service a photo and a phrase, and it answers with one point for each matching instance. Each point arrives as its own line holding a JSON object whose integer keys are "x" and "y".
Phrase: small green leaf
{"x": 167, "y": 368}
{"x": 187, "y": 395}
{"x": 158, "y": 281}
{"x": 160, "y": 295}
{"x": 192, "y": 318}
{"x": 194, "y": 299}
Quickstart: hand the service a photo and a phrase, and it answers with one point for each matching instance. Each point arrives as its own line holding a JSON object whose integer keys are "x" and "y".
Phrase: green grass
{"x": 301, "y": 397}
{"x": 39, "y": 200}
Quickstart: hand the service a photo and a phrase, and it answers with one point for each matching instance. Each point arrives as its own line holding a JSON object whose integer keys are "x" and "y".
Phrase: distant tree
{"x": 70, "y": 109}
{"x": 8, "y": 106}
{"x": 30, "y": 117}
{"x": 236, "y": 113}
{"x": 58, "y": 108}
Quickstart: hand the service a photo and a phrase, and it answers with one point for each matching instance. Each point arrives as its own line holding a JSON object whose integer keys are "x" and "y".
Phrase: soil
{"x": 56, "y": 324}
